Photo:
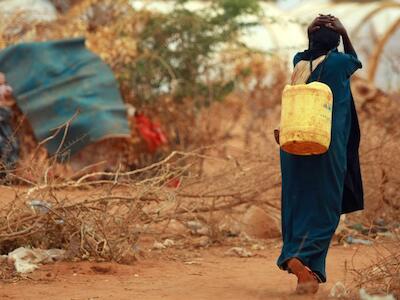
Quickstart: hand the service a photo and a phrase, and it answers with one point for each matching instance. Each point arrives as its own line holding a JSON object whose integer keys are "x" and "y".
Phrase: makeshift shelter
{"x": 70, "y": 97}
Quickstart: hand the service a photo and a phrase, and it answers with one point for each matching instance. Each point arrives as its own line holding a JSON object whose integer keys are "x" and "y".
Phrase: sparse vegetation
{"x": 172, "y": 67}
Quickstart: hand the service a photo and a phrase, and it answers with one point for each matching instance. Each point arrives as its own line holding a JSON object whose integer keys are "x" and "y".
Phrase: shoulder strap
{"x": 322, "y": 66}
{"x": 301, "y": 72}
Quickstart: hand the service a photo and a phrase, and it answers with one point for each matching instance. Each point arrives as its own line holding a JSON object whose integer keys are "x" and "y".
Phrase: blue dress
{"x": 317, "y": 189}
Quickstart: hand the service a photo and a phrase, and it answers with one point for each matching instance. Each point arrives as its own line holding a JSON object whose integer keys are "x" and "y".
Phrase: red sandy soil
{"x": 182, "y": 274}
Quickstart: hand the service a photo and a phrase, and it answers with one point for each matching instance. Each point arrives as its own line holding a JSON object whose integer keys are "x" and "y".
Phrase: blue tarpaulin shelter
{"x": 58, "y": 81}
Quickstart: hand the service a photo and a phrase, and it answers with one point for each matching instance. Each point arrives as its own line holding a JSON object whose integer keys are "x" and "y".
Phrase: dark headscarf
{"x": 321, "y": 42}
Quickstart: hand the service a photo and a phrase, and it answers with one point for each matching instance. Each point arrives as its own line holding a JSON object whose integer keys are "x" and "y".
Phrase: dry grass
{"x": 382, "y": 277}
{"x": 380, "y": 144}
{"x": 102, "y": 215}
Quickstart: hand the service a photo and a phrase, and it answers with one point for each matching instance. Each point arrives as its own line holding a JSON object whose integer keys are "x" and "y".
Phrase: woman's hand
{"x": 335, "y": 24}
{"x": 338, "y": 27}
{"x": 321, "y": 20}
{"x": 277, "y": 134}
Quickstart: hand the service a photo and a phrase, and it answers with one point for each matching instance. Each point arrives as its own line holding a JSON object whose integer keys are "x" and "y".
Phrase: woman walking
{"x": 317, "y": 189}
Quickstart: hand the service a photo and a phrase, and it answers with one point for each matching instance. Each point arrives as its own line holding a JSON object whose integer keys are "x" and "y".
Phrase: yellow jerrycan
{"x": 306, "y": 118}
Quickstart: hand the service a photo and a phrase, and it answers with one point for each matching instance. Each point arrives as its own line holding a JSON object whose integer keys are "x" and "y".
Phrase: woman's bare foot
{"x": 307, "y": 282}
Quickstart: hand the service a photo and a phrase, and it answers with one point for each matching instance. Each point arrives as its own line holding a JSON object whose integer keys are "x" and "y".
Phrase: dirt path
{"x": 208, "y": 274}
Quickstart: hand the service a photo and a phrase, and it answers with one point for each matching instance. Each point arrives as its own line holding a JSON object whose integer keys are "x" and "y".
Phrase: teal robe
{"x": 317, "y": 189}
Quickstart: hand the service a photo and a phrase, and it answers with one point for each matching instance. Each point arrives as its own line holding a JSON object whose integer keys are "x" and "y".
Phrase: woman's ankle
{"x": 295, "y": 265}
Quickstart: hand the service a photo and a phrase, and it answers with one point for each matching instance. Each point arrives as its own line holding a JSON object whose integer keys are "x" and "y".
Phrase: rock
{"x": 158, "y": 246}
{"x": 168, "y": 243}
{"x": 202, "y": 242}
{"x": 194, "y": 225}
{"x": 387, "y": 234}
{"x": 26, "y": 260}
{"x": 258, "y": 224}
{"x": 203, "y": 231}
{"x": 365, "y": 296}
{"x": 380, "y": 222}
{"x": 358, "y": 227}
{"x": 130, "y": 253}
{"x": 352, "y": 240}
{"x": 257, "y": 247}
{"x": 190, "y": 263}
{"x": 229, "y": 226}
{"x": 51, "y": 255}
{"x": 338, "y": 290}
{"x": 176, "y": 228}
{"x": 238, "y": 251}
{"x": 39, "y": 206}
{"x": 244, "y": 237}
{"x": 198, "y": 228}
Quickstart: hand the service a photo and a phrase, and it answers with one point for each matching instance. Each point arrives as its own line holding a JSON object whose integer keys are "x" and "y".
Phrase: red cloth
{"x": 151, "y": 132}
{"x": 174, "y": 183}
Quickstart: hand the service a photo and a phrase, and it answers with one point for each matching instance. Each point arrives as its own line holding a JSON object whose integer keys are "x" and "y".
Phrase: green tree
{"x": 176, "y": 51}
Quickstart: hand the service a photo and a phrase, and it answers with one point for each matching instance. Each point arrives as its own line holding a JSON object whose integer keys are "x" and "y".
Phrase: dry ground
{"x": 181, "y": 274}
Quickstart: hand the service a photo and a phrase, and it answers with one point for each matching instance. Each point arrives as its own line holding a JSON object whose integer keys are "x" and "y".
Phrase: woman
{"x": 317, "y": 189}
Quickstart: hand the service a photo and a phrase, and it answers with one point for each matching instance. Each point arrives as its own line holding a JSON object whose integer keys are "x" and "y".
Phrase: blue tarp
{"x": 52, "y": 81}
